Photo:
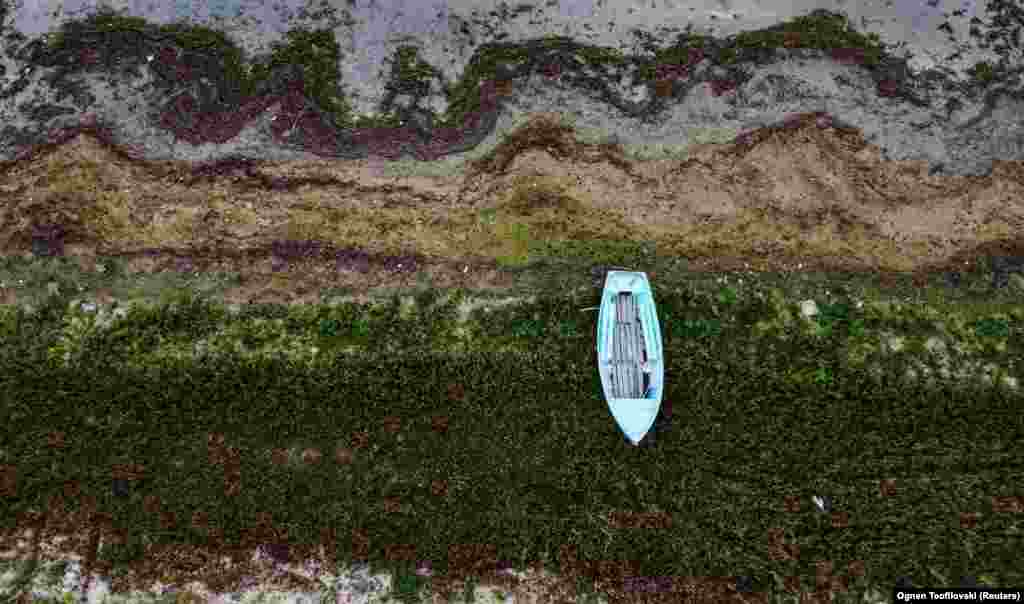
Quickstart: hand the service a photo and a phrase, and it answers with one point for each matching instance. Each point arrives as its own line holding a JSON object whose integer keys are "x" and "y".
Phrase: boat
{"x": 629, "y": 352}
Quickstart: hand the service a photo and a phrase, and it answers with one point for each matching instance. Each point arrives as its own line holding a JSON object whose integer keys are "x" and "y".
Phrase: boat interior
{"x": 629, "y": 351}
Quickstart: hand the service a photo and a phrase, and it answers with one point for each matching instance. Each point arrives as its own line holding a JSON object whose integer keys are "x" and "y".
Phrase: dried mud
{"x": 806, "y": 193}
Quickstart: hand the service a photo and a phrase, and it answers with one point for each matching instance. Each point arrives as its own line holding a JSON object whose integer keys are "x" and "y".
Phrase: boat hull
{"x": 629, "y": 353}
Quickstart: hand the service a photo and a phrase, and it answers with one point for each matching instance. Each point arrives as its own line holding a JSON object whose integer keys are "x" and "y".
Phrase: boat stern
{"x": 635, "y": 416}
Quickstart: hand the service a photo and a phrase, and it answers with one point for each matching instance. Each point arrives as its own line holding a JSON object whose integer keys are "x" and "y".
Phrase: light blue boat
{"x": 629, "y": 352}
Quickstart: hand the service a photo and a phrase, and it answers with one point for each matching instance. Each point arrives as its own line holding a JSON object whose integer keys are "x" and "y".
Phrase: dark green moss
{"x": 983, "y": 72}
{"x": 318, "y": 54}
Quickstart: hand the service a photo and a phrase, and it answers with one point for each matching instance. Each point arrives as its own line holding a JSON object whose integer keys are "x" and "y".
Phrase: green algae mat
{"x": 433, "y": 445}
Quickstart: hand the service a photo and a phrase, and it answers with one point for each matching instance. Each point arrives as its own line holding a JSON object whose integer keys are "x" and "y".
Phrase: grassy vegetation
{"x": 762, "y": 402}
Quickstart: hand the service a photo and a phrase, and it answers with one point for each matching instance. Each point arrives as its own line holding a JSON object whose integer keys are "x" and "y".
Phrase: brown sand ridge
{"x": 806, "y": 192}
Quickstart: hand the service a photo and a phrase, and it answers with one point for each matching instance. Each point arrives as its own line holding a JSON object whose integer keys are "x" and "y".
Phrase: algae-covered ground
{"x": 745, "y": 440}
{"x": 981, "y": 319}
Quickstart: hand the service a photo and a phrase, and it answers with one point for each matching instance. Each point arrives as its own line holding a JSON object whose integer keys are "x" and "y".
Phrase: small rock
{"x": 280, "y": 553}
{"x": 808, "y": 308}
{"x": 120, "y": 487}
{"x": 359, "y": 585}
{"x": 894, "y": 344}
{"x": 744, "y": 584}
{"x": 1003, "y": 267}
{"x": 935, "y": 345}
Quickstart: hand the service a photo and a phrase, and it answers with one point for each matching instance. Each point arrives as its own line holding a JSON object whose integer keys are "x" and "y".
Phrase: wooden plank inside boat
{"x": 628, "y": 350}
